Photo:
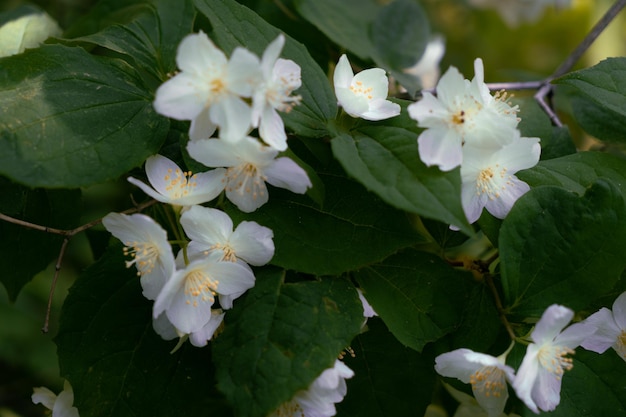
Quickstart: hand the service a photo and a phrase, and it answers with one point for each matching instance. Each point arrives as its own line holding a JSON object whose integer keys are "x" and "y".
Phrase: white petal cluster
{"x": 61, "y": 405}
{"x": 538, "y": 379}
{"x": 466, "y": 126}
{"x": 515, "y": 12}
{"x": 319, "y": 399}
{"x": 363, "y": 95}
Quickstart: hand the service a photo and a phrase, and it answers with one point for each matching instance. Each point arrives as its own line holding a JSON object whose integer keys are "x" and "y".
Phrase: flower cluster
{"x": 235, "y": 95}
{"x": 465, "y": 125}
{"x": 538, "y": 379}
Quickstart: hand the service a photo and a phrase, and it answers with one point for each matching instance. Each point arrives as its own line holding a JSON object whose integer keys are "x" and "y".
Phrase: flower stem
{"x": 499, "y": 307}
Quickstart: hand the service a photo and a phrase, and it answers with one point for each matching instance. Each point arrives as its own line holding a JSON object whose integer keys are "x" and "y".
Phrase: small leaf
{"x": 418, "y": 296}
{"x": 386, "y": 161}
{"x": 150, "y": 39}
{"x": 280, "y": 337}
{"x": 389, "y": 379}
{"x": 554, "y": 246}
{"x": 69, "y": 119}
{"x": 235, "y": 25}
{"x": 600, "y": 100}
{"x": 116, "y": 363}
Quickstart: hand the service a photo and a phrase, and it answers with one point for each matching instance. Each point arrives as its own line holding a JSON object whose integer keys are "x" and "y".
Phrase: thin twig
{"x": 67, "y": 234}
{"x": 501, "y": 312}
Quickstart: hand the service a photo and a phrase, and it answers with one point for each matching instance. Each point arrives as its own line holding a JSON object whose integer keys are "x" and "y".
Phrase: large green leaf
{"x": 419, "y": 296}
{"x": 151, "y": 38}
{"x": 386, "y": 161}
{"x": 389, "y": 378}
{"x": 235, "y": 25}
{"x": 69, "y": 119}
{"x": 281, "y": 337}
{"x": 353, "y": 228}
{"x": 25, "y": 251}
{"x": 116, "y": 363}
{"x": 577, "y": 172}
{"x": 345, "y": 22}
{"x": 599, "y": 103}
{"x": 558, "y": 247}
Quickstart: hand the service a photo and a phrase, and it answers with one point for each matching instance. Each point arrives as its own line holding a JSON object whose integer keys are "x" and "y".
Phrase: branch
{"x": 67, "y": 234}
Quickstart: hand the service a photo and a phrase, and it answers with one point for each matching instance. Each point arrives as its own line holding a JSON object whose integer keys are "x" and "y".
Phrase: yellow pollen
{"x": 290, "y": 409}
{"x": 488, "y": 381}
{"x": 216, "y": 85}
{"x": 554, "y": 359}
{"x": 201, "y": 287}
{"x": 491, "y": 181}
{"x": 179, "y": 183}
{"x": 144, "y": 254}
{"x": 246, "y": 178}
{"x": 229, "y": 252}
{"x": 459, "y": 118}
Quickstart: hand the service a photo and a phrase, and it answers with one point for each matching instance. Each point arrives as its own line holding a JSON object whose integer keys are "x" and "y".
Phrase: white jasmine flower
{"x": 427, "y": 68}
{"x": 146, "y": 241}
{"x": 280, "y": 78}
{"x": 319, "y": 399}
{"x": 488, "y": 179}
{"x": 61, "y": 405}
{"x": 28, "y": 31}
{"x": 363, "y": 95}
{"x": 188, "y": 296}
{"x": 209, "y": 88}
{"x": 463, "y": 113}
{"x": 164, "y": 328}
{"x": 250, "y": 165}
{"x": 212, "y": 230}
{"x": 610, "y": 329}
{"x": 538, "y": 380}
{"x": 487, "y": 374}
{"x": 174, "y": 186}
{"x": 514, "y": 12}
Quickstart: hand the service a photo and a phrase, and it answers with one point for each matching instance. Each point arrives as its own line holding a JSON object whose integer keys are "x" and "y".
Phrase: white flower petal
{"x": 197, "y": 54}
{"x": 272, "y": 129}
{"x": 243, "y": 72}
{"x": 351, "y": 103}
{"x": 619, "y": 311}
{"x": 552, "y": 322}
{"x": 271, "y": 55}
{"x": 182, "y": 97}
{"x": 233, "y": 116}
{"x": 547, "y": 390}
{"x": 380, "y": 109}
{"x": 44, "y": 396}
{"x": 253, "y": 243}
{"x": 342, "y": 77}
{"x": 374, "y": 80}
{"x": 207, "y": 226}
{"x": 201, "y": 126}
{"x": 526, "y": 377}
{"x": 246, "y": 201}
{"x": 202, "y": 336}
{"x": 442, "y": 149}
{"x": 164, "y": 328}
{"x": 213, "y": 153}
{"x": 285, "y": 173}
{"x": 607, "y": 331}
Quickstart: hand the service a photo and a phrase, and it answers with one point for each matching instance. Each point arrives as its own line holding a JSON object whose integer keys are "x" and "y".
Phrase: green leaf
{"x": 600, "y": 101}
{"x": 577, "y": 172}
{"x": 386, "y": 161}
{"x": 594, "y": 387}
{"x": 555, "y": 244}
{"x": 345, "y": 22}
{"x": 353, "y": 228}
{"x": 389, "y": 379}
{"x": 116, "y": 363}
{"x": 25, "y": 251}
{"x": 419, "y": 297}
{"x": 481, "y": 323}
{"x": 151, "y": 38}
{"x": 400, "y": 34}
{"x": 280, "y": 337}
{"x": 235, "y": 25}
{"x": 69, "y": 119}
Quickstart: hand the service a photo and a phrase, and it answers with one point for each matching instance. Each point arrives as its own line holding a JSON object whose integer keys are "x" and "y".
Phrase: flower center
{"x": 459, "y": 117}
{"x": 201, "y": 287}
{"x": 179, "y": 183}
{"x": 229, "y": 253}
{"x": 554, "y": 359}
{"x": 144, "y": 254}
{"x": 491, "y": 181}
{"x": 246, "y": 178}
{"x": 358, "y": 89}
{"x": 620, "y": 345}
{"x": 278, "y": 94}
{"x": 289, "y": 409}
{"x": 488, "y": 381}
